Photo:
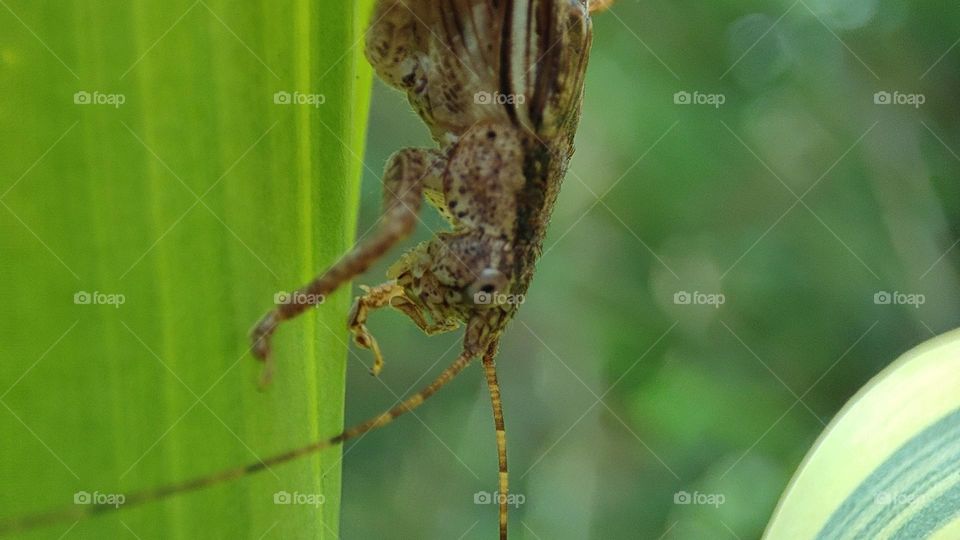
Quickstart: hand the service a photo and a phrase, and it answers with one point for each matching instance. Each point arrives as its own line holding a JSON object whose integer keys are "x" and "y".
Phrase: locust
{"x": 499, "y": 84}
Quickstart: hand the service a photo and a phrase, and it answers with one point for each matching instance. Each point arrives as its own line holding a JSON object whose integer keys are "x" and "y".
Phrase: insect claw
{"x": 260, "y": 335}
{"x": 363, "y": 339}
{"x": 373, "y": 298}
{"x": 266, "y": 376}
{"x": 377, "y": 357}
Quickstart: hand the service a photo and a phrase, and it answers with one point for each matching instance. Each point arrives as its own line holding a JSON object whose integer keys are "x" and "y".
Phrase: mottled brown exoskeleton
{"x": 500, "y": 84}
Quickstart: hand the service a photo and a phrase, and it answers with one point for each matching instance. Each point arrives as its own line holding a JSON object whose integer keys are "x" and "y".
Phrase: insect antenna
{"x": 83, "y": 512}
{"x": 490, "y": 370}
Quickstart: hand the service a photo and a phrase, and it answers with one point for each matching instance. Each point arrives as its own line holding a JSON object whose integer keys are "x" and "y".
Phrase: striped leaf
{"x": 888, "y": 466}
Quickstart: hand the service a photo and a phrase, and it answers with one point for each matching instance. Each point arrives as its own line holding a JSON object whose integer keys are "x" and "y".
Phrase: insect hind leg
{"x": 408, "y": 172}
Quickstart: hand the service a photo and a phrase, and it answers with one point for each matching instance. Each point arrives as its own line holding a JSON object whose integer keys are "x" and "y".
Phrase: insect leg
{"x": 416, "y": 314}
{"x": 387, "y": 294}
{"x": 375, "y": 298}
{"x": 407, "y": 173}
{"x": 490, "y": 369}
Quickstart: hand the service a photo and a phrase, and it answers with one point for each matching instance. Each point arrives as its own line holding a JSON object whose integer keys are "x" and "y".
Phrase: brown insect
{"x": 500, "y": 84}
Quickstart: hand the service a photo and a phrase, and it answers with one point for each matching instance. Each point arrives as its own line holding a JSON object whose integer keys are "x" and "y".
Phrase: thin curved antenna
{"x": 78, "y": 513}
{"x": 490, "y": 370}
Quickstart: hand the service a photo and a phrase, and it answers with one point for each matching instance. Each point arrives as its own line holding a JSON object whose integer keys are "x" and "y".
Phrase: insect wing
{"x": 521, "y": 61}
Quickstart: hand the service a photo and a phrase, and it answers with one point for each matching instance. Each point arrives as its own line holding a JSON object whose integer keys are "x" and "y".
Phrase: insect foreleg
{"x": 416, "y": 315}
{"x": 408, "y": 172}
{"x": 388, "y": 294}
{"x": 375, "y": 298}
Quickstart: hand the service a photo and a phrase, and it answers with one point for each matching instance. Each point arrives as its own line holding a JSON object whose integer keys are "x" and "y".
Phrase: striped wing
{"x": 470, "y": 61}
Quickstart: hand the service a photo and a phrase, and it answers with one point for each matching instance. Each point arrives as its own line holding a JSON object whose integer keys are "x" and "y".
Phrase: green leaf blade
{"x": 162, "y": 388}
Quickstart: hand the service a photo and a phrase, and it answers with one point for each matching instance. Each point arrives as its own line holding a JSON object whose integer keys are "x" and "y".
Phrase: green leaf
{"x": 147, "y": 224}
{"x": 887, "y": 466}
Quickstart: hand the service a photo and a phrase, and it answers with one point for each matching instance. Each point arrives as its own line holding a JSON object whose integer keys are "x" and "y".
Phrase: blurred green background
{"x": 815, "y": 202}
{"x": 666, "y": 198}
